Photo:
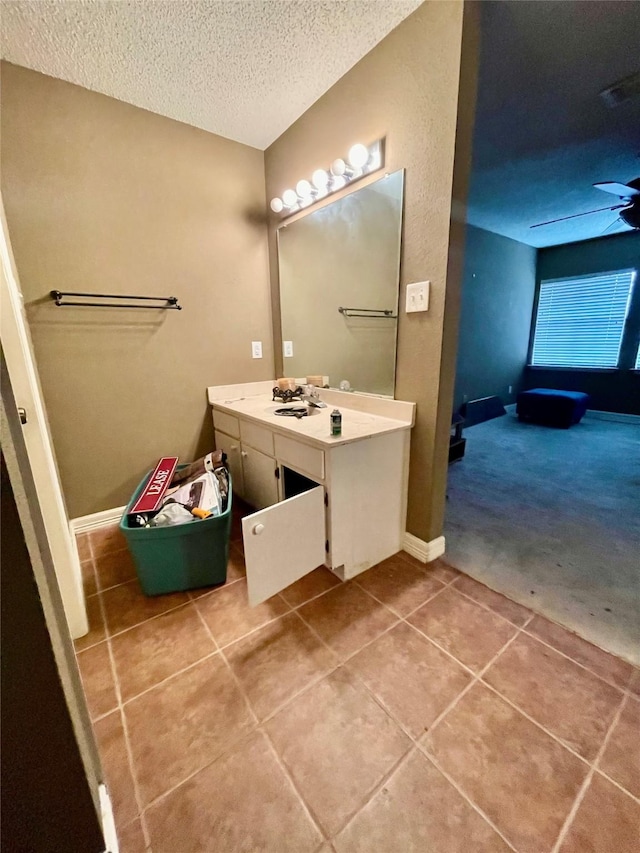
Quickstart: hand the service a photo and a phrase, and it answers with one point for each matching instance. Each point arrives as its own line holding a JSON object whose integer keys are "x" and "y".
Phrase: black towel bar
{"x": 170, "y": 302}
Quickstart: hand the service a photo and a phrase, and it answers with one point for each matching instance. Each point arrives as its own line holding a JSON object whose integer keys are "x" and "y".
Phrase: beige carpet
{"x": 551, "y": 518}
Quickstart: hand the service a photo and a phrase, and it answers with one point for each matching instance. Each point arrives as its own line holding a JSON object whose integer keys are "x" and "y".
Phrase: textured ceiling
{"x": 244, "y": 69}
{"x": 543, "y": 136}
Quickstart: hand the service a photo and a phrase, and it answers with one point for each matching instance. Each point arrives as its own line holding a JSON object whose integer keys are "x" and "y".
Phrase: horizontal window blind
{"x": 580, "y": 320}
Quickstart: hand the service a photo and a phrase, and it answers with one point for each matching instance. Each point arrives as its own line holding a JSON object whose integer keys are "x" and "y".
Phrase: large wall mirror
{"x": 339, "y": 270}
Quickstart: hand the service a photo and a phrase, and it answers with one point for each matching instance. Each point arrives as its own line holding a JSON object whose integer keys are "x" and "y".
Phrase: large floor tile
{"x": 493, "y": 600}
{"x": 523, "y": 779}
{"x": 229, "y": 616}
{"x": 83, "y": 542}
{"x": 417, "y": 811}
{"x": 278, "y": 661}
{"x": 437, "y": 568}
{"x": 97, "y": 630}
{"x": 608, "y": 821}
{"x": 318, "y": 581}
{"x": 113, "y": 755}
{"x": 235, "y": 564}
{"x": 413, "y": 679}
{"x": 184, "y": 723}
{"x": 337, "y": 744}
{"x": 398, "y": 584}
{"x": 243, "y": 802}
{"x": 89, "y": 581}
{"x": 569, "y": 701}
{"x": 106, "y": 539}
{"x": 158, "y": 648}
{"x": 607, "y": 666}
{"x": 347, "y": 618}
{"x": 466, "y": 630}
{"x": 621, "y": 758}
{"x": 97, "y": 680}
{"x": 131, "y": 838}
{"x": 114, "y": 567}
{"x": 126, "y": 605}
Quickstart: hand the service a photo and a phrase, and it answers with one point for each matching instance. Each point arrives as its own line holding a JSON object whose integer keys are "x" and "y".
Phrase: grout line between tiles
{"x": 577, "y": 663}
{"x": 125, "y": 730}
{"x": 289, "y": 776}
{"x": 429, "y": 598}
{"x": 536, "y": 723}
{"x": 466, "y": 797}
{"x": 475, "y": 679}
{"x": 587, "y": 781}
{"x": 169, "y": 677}
{"x": 371, "y": 793}
{"x": 227, "y": 750}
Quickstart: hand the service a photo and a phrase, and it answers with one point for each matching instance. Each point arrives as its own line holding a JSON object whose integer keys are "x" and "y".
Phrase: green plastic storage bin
{"x": 172, "y": 559}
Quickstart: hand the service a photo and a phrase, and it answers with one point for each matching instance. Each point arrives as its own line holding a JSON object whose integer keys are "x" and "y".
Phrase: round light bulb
{"x": 358, "y": 155}
{"x": 304, "y": 189}
{"x": 338, "y": 167}
{"x": 290, "y": 198}
{"x": 320, "y": 179}
{"x": 276, "y": 205}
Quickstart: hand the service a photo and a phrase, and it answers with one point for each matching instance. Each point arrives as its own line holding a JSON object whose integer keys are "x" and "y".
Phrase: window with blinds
{"x": 580, "y": 320}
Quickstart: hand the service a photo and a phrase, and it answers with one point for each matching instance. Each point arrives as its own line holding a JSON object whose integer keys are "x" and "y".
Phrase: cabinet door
{"x": 259, "y": 473}
{"x": 231, "y": 446}
{"x": 283, "y": 543}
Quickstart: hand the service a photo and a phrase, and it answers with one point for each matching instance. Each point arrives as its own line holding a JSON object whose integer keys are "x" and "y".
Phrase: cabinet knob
{"x": 257, "y": 529}
{"x": 234, "y": 446}
{"x": 243, "y": 453}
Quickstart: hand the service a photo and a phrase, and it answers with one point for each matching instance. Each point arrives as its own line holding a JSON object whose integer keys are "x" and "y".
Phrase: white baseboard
{"x": 619, "y": 417}
{"x": 423, "y": 551}
{"x": 108, "y": 823}
{"x": 106, "y": 518}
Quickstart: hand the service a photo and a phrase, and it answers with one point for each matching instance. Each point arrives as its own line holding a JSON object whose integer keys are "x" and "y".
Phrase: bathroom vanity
{"x": 319, "y": 499}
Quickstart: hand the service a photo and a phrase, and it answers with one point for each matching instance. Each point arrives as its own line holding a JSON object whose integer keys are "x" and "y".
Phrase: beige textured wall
{"x": 103, "y": 196}
{"x": 405, "y": 89}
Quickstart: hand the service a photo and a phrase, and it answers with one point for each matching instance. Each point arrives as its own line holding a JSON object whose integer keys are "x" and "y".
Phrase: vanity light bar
{"x": 361, "y": 160}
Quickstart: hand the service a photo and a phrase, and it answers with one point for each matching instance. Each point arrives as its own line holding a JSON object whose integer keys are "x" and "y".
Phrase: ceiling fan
{"x": 628, "y": 211}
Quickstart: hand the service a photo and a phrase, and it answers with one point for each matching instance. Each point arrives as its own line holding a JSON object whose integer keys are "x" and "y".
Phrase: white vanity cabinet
{"x": 319, "y": 500}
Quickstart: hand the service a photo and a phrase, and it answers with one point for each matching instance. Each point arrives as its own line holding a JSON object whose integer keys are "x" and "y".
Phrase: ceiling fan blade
{"x": 621, "y": 190}
{"x": 576, "y": 215}
{"x": 616, "y": 222}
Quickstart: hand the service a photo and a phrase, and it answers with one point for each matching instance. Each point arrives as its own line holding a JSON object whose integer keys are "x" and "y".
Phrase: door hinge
{"x": 326, "y": 499}
{"x": 23, "y": 415}
{"x": 326, "y": 546}
{"x": 277, "y": 472}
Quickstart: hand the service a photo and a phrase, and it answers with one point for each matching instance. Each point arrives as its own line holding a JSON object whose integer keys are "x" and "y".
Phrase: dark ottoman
{"x": 551, "y": 407}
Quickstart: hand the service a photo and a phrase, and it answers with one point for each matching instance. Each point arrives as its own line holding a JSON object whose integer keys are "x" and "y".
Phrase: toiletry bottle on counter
{"x": 336, "y": 422}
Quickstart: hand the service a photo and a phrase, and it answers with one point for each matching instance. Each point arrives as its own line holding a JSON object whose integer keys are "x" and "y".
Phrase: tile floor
{"x": 411, "y": 709}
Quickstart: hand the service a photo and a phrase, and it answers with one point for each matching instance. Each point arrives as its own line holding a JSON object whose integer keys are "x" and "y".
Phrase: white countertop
{"x": 314, "y": 428}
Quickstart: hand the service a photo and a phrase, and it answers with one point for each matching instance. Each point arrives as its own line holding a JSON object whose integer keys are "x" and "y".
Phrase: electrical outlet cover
{"x": 256, "y": 349}
{"x": 287, "y": 349}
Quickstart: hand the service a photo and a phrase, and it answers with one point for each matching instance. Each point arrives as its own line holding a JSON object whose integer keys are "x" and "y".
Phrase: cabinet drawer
{"x": 301, "y": 456}
{"x": 257, "y": 437}
{"x": 226, "y": 423}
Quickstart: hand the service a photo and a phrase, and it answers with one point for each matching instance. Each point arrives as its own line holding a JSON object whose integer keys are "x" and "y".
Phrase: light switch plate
{"x": 287, "y": 349}
{"x": 417, "y": 297}
{"x": 256, "y": 349}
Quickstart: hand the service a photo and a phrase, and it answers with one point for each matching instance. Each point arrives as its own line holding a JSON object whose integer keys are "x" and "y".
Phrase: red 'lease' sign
{"x": 157, "y": 485}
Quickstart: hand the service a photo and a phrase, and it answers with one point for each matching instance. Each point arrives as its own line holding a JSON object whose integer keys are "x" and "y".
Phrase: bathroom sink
{"x": 292, "y": 412}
